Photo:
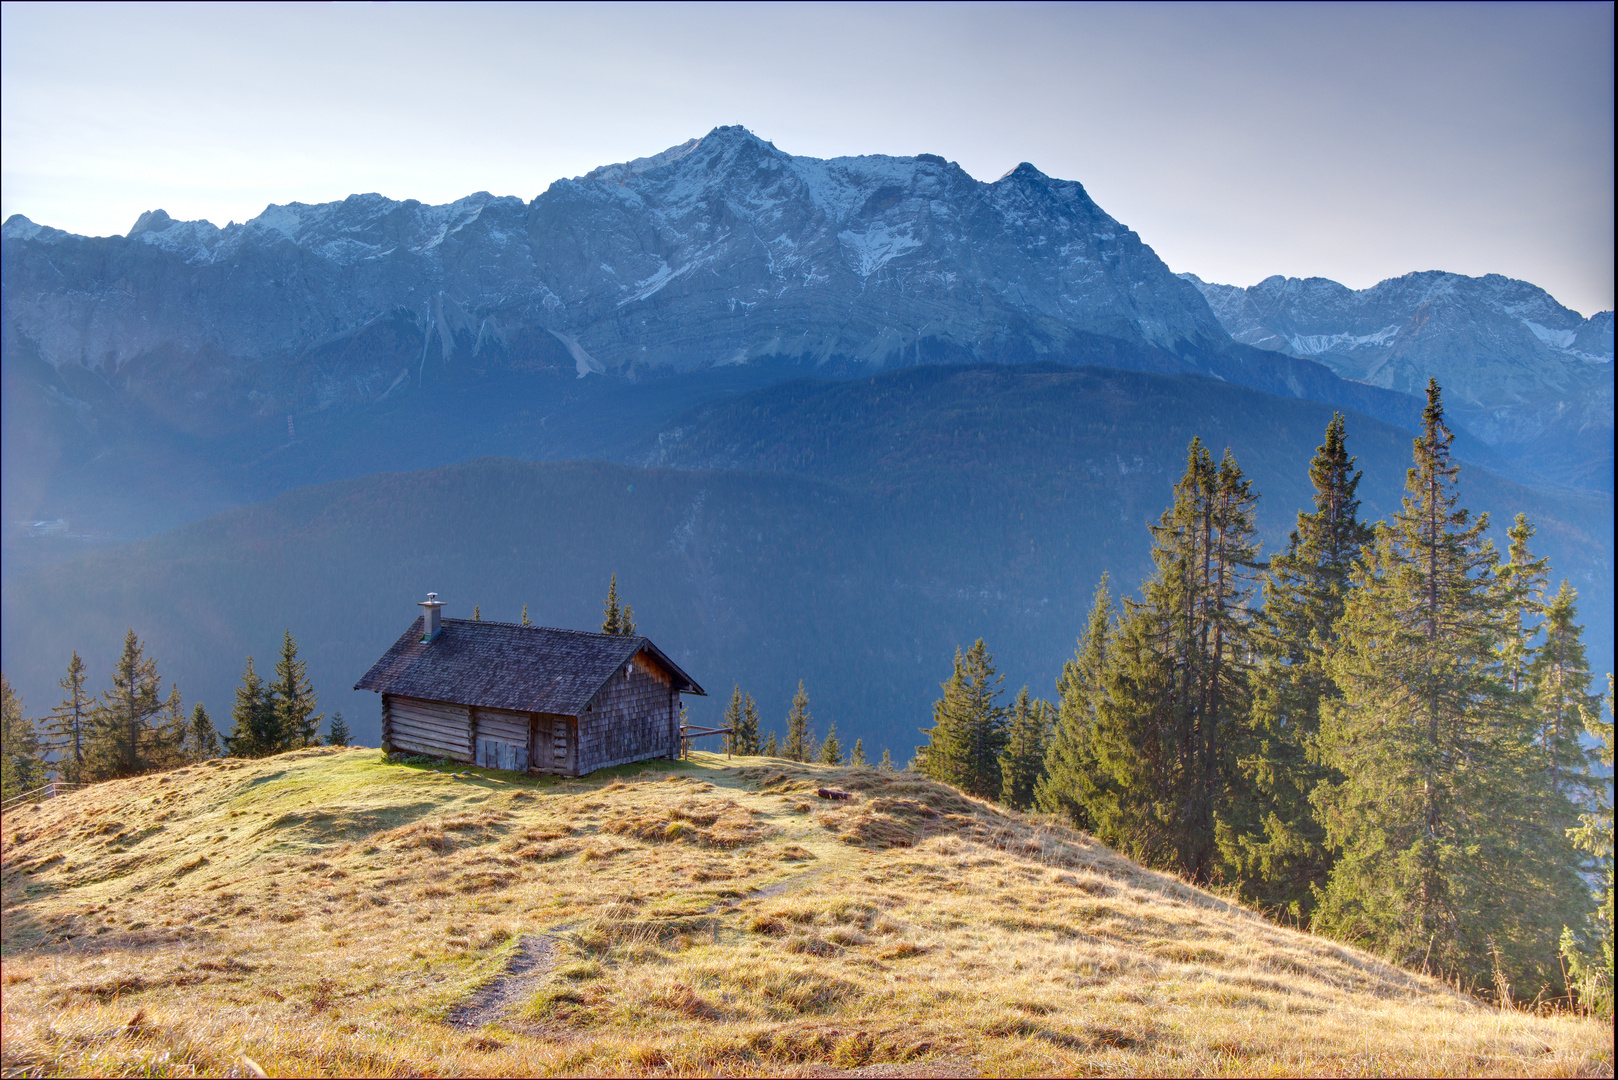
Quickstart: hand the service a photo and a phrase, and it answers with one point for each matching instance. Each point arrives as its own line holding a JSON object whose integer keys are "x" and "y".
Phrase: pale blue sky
{"x": 1353, "y": 142}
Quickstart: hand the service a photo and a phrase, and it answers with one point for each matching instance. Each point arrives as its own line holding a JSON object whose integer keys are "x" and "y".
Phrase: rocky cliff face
{"x": 723, "y": 250}
{"x": 1518, "y": 369}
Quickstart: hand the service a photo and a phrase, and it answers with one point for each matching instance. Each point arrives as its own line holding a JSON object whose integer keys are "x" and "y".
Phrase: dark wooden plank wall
{"x": 500, "y": 738}
{"x": 554, "y": 743}
{"x": 428, "y": 727}
{"x": 632, "y": 718}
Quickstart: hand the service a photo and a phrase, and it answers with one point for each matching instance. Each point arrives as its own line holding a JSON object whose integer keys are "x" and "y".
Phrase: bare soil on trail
{"x": 528, "y": 965}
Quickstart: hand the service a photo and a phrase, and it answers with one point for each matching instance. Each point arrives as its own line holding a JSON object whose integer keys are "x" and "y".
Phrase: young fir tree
{"x": 969, "y": 727}
{"x": 1588, "y": 950}
{"x": 201, "y": 740}
{"x": 831, "y": 751}
{"x": 857, "y": 755}
{"x": 886, "y": 764}
{"x": 1523, "y": 579}
{"x": 21, "y": 765}
{"x": 294, "y": 699}
{"x": 1070, "y": 772}
{"x": 525, "y": 621}
{"x": 339, "y": 734}
{"x": 1022, "y": 761}
{"x": 1176, "y": 705}
{"x": 733, "y": 720}
{"x": 800, "y": 740}
{"x": 772, "y": 747}
{"x": 68, "y": 730}
{"x": 256, "y": 730}
{"x": 477, "y": 613}
{"x": 1558, "y": 676}
{"x": 1445, "y": 858}
{"x": 616, "y": 619}
{"x": 748, "y": 736}
{"x": 134, "y": 724}
{"x": 1282, "y": 859}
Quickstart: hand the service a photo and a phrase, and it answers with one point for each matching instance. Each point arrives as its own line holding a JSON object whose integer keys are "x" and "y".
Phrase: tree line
{"x": 133, "y": 727}
{"x": 1375, "y": 733}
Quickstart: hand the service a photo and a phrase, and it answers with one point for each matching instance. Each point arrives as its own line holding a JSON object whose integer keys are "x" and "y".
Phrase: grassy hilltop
{"x": 325, "y": 912}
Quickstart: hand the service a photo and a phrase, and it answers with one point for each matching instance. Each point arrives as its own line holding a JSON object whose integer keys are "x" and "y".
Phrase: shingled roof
{"x": 507, "y": 666}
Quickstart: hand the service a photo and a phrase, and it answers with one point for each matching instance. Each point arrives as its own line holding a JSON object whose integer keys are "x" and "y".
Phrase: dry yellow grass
{"x": 323, "y": 912}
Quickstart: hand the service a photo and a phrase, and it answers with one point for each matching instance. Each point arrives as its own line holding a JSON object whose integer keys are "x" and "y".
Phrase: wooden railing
{"x": 691, "y": 731}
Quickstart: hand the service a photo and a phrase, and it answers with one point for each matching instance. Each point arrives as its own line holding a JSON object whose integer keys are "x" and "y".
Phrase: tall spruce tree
{"x": 1022, "y": 762}
{"x": 295, "y": 699}
{"x": 256, "y": 730}
{"x": 1176, "y": 706}
{"x": 68, "y": 731}
{"x": 969, "y": 727}
{"x": 1281, "y": 857}
{"x": 22, "y": 767}
{"x": 134, "y": 723}
{"x": 1070, "y": 774}
{"x": 800, "y": 740}
{"x": 1444, "y": 857}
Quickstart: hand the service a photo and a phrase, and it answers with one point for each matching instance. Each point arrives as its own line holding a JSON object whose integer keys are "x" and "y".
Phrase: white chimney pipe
{"x": 431, "y": 621}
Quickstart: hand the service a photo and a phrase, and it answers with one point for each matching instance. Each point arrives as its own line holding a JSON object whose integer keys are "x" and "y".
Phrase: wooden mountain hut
{"x": 537, "y": 698}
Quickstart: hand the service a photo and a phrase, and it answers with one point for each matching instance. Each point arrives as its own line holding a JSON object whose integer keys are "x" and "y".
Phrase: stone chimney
{"x": 431, "y": 621}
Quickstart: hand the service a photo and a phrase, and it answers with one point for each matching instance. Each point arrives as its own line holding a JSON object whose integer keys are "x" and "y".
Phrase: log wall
{"x": 427, "y": 727}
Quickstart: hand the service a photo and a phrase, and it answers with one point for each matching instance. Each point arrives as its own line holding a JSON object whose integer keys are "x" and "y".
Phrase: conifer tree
{"x": 21, "y": 766}
{"x": 525, "y": 621}
{"x": 831, "y": 751}
{"x": 1522, "y": 579}
{"x": 202, "y": 741}
{"x": 1070, "y": 774}
{"x": 800, "y": 740}
{"x": 771, "y": 747}
{"x": 477, "y": 613}
{"x": 733, "y": 720}
{"x": 1281, "y": 856}
{"x": 68, "y": 731}
{"x": 1445, "y": 858}
{"x": 257, "y": 726}
{"x": 1022, "y": 761}
{"x": 339, "y": 734}
{"x": 969, "y": 727}
{"x": 886, "y": 763}
{"x": 1177, "y": 697}
{"x": 131, "y": 732}
{"x": 748, "y": 737}
{"x": 857, "y": 755}
{"x": 616, "y": 619}
{"x": 1588, "y": 950}
{"x": 1558, "y": 676}
{"x": 294, "y": 699}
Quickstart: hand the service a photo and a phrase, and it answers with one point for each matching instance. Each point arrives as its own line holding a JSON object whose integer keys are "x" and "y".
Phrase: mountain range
{"x": 1002, "y": 382}
{"x": 1519, "y": 370}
